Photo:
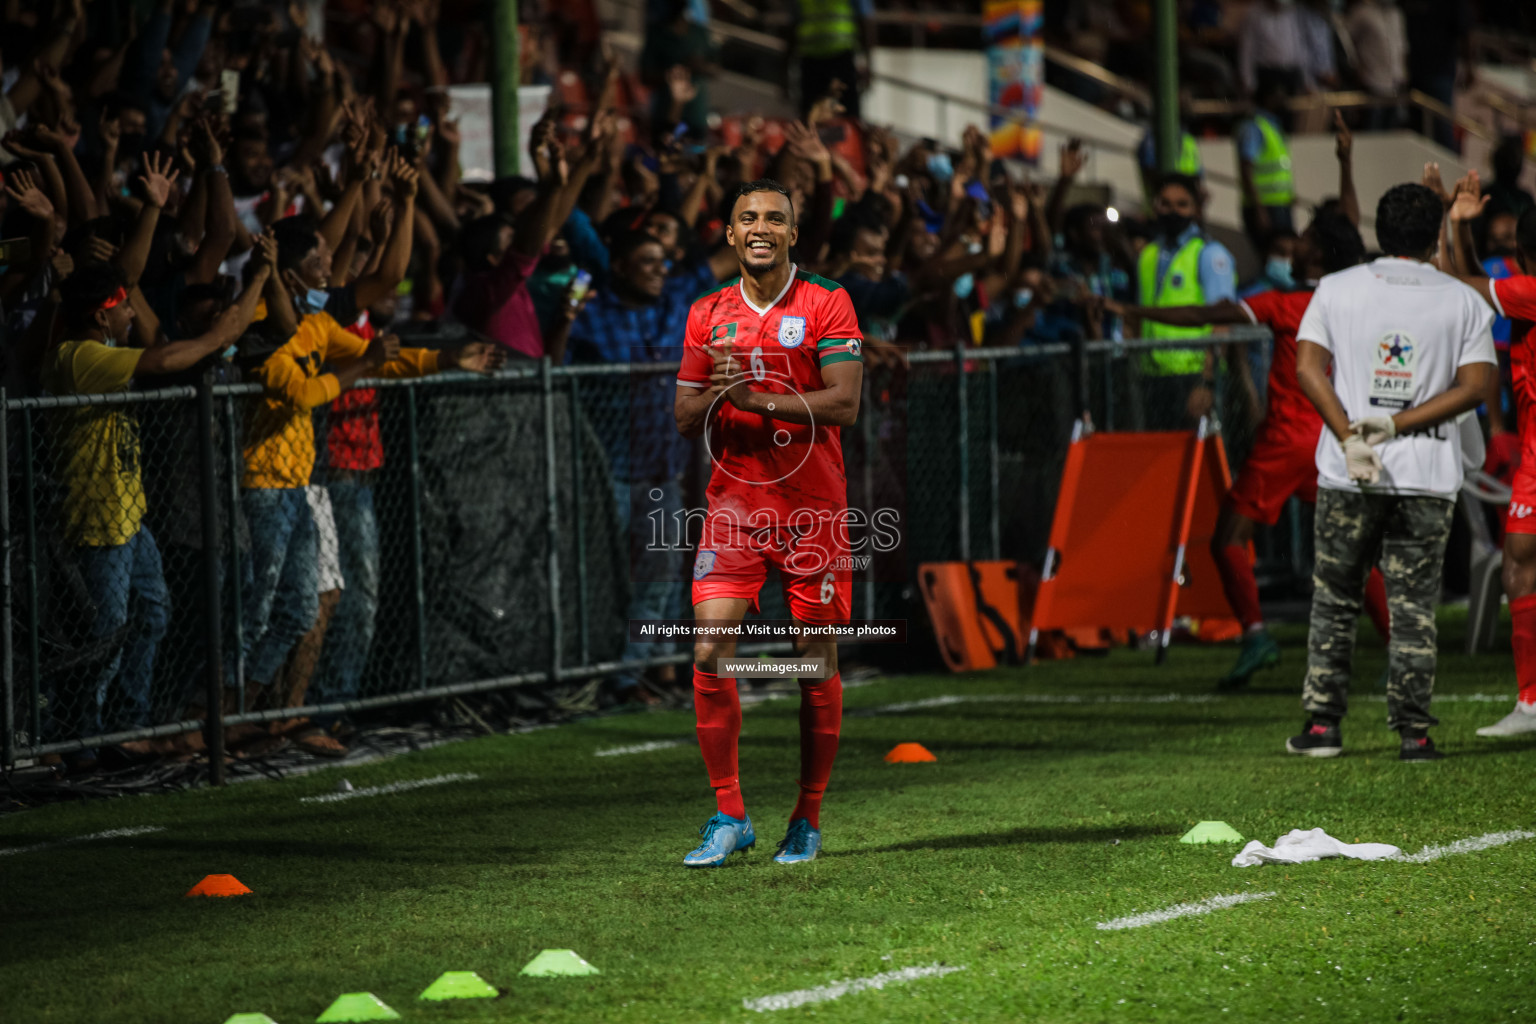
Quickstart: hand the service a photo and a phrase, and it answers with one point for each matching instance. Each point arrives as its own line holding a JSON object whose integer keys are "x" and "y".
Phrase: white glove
{"x": 1361, "y": 459}
{"x": 1375, "y": 429}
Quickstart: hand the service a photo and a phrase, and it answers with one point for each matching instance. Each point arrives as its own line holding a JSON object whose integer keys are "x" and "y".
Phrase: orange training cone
{"x": 909, "y": 753}
{"x": 219, "y": 885}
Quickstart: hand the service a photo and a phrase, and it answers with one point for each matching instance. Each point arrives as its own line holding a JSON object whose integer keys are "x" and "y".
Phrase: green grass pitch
{"x": 1039, "y": 819}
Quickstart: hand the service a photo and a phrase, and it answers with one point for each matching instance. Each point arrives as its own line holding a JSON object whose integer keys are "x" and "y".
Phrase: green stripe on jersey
{"x": 720, "y": 288}
{"x": 819, "y": 281}
{"x": 829, "y": 342}
{"x": 840, "y": 357}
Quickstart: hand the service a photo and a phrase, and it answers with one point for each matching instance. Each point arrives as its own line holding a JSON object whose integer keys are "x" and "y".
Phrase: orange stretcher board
{"x": 1129, "y": 544}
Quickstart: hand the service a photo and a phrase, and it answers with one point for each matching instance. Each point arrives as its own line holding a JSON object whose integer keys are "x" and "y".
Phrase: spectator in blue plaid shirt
{"x": 640, "y": 318}
{"x": 1088, "y": 261}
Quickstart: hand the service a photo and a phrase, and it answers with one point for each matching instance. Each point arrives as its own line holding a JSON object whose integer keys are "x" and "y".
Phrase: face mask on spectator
{"x": 1172, "y": 225}
{"x": 314, "y": 300}
{"x": 1023, "y": 297}
{"x": 1278, "y": 270}
{"x": 964, "y": 285}
{"x": 940, "y": 167}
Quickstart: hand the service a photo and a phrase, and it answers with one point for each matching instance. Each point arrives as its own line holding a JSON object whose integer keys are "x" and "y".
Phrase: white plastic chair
{"x": 1486, "y": 586}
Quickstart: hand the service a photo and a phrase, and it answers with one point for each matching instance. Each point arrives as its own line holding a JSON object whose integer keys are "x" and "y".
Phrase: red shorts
{"x": 1279, "y": 466}
{"x": 1521, "y": 515}
{"x": 813, "y": 560}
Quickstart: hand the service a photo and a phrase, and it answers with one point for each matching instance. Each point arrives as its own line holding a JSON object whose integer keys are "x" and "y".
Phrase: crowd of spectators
{"x": 1237, "y": 49}
{"x": 272, "y": 194}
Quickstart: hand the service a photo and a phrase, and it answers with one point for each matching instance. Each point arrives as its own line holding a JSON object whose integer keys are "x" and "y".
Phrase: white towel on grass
{"x": 1300, "y": 845}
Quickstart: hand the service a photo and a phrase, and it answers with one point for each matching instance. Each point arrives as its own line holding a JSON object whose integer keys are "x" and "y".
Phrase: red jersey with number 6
{"x": 759, "y": 462}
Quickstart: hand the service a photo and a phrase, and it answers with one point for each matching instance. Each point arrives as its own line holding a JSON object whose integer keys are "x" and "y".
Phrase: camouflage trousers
{"x": 1408, "y": 533}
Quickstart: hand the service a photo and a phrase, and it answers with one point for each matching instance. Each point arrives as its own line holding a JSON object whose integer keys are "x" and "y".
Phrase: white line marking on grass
{"x": 393, "y": 787}
{"x": 1455, "y": 698}
{"x": 638, "y": 748}
{"x": 1182, "y": 910}
{"x": 847, "y": 987}
{"x": 111, "y": 833}
{"x": 1041, "y": 698}
{"x": 1472, "y": 845}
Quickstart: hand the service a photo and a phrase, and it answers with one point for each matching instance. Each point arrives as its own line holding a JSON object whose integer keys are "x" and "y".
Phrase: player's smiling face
{"x": 761, "y": 230}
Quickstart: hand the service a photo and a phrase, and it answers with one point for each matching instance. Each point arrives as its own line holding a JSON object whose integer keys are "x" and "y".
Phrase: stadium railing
{"x": 499, "y": 559}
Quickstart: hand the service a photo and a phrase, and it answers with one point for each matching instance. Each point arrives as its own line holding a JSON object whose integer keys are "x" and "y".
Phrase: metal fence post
{"x": 34, "y": 614}
{"x": 993, "y": 458}
{"x": 7, "y": 669}
{"x": 1109, "y": 391}
{"x": 236, "y": 578}
{"x": 418, "y": 567}
{"x": 581, "y": 526}
{"x": 208, "y": 495}
{"x": 962, "y": 398}
{"x": 552, "y": 512}
{"x": 867, "y": 427}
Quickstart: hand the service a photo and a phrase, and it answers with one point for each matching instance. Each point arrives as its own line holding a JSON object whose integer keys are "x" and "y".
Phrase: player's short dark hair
{"x": 1338, "y": 240}
{"x": 85, "y": 291}
{"x": 296, "y": 237}
{"x": 746, "y": 188}
{"x": 1188, "y": 182}
{"x": 1525, "y": 233}
{"x": 1408, "y": 220}
{"x": 625, "y": 244}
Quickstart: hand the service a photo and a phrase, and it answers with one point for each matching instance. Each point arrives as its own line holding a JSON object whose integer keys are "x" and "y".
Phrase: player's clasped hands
{"x": 728, "y": 371}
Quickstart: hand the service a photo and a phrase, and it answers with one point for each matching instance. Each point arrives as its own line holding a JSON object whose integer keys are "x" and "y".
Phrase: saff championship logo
{"x": 1396, "y": 351}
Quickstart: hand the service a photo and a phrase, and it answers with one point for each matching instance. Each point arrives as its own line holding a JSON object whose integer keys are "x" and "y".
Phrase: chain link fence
{"x": 172, "y": 562}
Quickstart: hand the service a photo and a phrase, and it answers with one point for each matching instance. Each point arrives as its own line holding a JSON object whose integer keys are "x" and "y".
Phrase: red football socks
{"x": 718, "y": 711}
{"x": 1522, "y": 615}
{"x": 1242, "y": 590}
{"x": 1376, "y": 604}
{"x": 821, "y": 719}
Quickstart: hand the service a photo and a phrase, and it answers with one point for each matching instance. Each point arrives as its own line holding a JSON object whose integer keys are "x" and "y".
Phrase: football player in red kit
{"x": 771, "y": 371}
{"x": 1283, "y": 461}
{"x": 1515, "y": 298}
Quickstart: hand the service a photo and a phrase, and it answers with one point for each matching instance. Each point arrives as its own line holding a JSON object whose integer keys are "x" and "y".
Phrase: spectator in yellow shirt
{"x": 311, "y": 368}
{"x": 98, "y": 466}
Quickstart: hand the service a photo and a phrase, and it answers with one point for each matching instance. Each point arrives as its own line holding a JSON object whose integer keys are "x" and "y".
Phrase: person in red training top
{"x": 1515, "y": 298}
{"x": 1283, "y": 461}
{"x": 771, "y": 371}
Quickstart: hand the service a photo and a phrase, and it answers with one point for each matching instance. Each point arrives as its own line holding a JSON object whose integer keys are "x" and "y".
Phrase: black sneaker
{"x": 1317, "y": 739}
{"x": 1417, "y": 746}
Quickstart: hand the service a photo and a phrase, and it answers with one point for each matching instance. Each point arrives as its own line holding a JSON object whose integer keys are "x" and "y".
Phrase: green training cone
{"x": 250, "y": 1018}
{"x": 460, "y": 985}
{"x": 1211, "y": 832}
{"x": 557, "y": 963}
{"x": 356, "y": 1006}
